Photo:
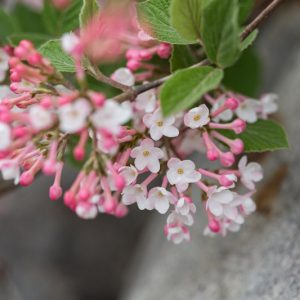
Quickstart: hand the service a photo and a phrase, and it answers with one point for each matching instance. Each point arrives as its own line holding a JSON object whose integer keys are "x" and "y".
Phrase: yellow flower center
{"x": 159, "y": 123}
{"x": 197, "y": 117}
{"x": 180, "y": 171}
{"x": 146, "y": 153}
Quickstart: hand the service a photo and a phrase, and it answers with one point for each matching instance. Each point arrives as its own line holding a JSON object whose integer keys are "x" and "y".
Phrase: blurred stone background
{"x": 48, "y": 253}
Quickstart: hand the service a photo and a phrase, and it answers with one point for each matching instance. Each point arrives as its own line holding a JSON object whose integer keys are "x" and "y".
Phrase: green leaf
{"x": 264, "y": 135}
{"x": 220, "y": 31}
{"x": 248, "y": 41}
{"x": 7, "y": 25}
{"x": 28, "y": 19}
{"x": 186, "y": 18}
{"x": 59, "y": 59}
{"x": 245, "y": 9}
{"x": 36, "y": 38}
{"x": 154, "y": 17}
{"x": 58, "y": 22}
{"x": 245, "y": 76}
{"x": 186, "y": 87}
{"x": 182, "y": 57}
{"x": 88, "y": 10}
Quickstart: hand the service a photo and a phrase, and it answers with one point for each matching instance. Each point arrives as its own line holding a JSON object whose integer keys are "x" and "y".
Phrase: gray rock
{"x": 262, "y": 261}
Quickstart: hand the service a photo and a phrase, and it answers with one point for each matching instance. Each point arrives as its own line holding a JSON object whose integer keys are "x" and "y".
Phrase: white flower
{"x": 123, "y": 76}
{"x": 4, "y": 58}
{"x": 177, "y": 233}
{"x": 40, "y": 117}
{"x": 5, "y": 136}
{"x": 86, "y": 210}
{"x": 250, "y": 173}
{"x": 69, "y": 41}
{"x": 221, "y": 203}
{"x": 160, "y": 126}
{"x": 130, "y": 174}
{"x": 136, "y": 194}
{"x": 181, "y": 173}
{"x": 146, "y": 101}
{"x": 73, "y": 116}
{"x": 146, "y": 155}
{"x": 268, "y": 104}
{"x": 225, "y": 115}
{"x": 197, "y": 117}
{"x": 10, "y": 170}
{"x": 160, "y": 199}
{"x": 112, "y": 115}
{"x": 247, "y": 110}
{"x": 185, "y": 207}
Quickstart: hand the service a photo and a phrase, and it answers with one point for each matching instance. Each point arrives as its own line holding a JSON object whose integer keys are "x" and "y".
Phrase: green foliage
{"x": 249, "y": 40}
{"x": 186, "y": 87}
{"x": 264, "y": 135}
{"x": 186, "y": 18}
{"x": 246, "y": 7}
{"x": 182, "y": 57}
{"x": 36, "y": 38}
{"x": 154, "y": 17}
{"x": 88, "y": 10}
{"x": 220, "y": 31}
{"x": 7, "y": 26}
{"x": 59, "y": 59}
{"x": 245, "y": 76}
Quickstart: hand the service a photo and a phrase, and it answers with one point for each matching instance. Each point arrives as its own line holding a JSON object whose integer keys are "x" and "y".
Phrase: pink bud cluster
{"x": 137, "y": 157}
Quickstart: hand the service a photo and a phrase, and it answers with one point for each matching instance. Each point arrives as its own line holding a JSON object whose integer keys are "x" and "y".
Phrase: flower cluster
{"x": 130, "y": 152}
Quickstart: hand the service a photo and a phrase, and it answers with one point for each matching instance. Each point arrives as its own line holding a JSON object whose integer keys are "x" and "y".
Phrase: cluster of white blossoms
{"x": 130, "y": 153}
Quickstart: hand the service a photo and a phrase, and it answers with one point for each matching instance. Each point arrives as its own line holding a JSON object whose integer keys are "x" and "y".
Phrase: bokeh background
{"x": 46, "y": 252}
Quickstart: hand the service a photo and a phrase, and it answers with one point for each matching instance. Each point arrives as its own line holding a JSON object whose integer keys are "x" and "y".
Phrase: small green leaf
{"x": 154, "y": 17}
{"x": 7, "y": 25}
{"x": 88, "y": 10}
{"x": 249, "y": 40}
{"x": 186, "y": 87}
{"x": 245, "y": 75}
{"x": 36, "y": 38}
{"x": 182, "y": 57}
{"x": 59, "y": 59}
{"x": 220, "y": 31}
{"x": 264, "y": 135}
{"x": 245, "y": 9}
{"x": 186, "y": 18}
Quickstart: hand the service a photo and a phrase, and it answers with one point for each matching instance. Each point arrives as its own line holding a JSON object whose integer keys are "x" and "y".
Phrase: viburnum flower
{"x": 247, "y": 110}
{"x": 220, "y": 202}
{"x": 146, "y": 101}
{"x": 111, "y": 116}
{"x": 160, "y": 199}
{"x": 160, "y": 126}
{"x": 86, "y": 210}
{"x": 129, "y": 173}
{"x": 197, "y": 117}
{"x": 40, "y": 117}
{"x": 5, "y": 136}
{"x": 250, "y": 173}
{"x": 136, "y": 194}
{"x": 69, "y": 42}
{"x": 226, "y": 115}
{"x": 185, "y": 206}
{"x": 10, "y": 170}
{"x": 182, "y": 173}
{"x": 73, "y": 116}
{"x": 123, "y": 76}
{"x": 147, "y": 156}
{"x": 268, "y": 104}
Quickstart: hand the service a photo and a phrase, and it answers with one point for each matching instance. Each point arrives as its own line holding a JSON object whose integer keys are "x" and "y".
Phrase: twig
{"x": 260, "y": 18}
{"x": 132, "y": 93}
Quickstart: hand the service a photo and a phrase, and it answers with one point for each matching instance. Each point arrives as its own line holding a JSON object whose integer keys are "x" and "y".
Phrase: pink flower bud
{"x": 121, "y": 210}
{"x": 227, "y": 159}
{"x": 237, "y": 146}
{"x": 110, "y": 205}
{"x": 164, "y": 50}
{"x": 232, "y": 103}
{"x": 35, "y": 59}
{"x": 225, "y": 181}
{"x": 79, "y": 153}
{"x": 84, "y": 194}
{"x": 15, "y": 77}
{"x": 132, "y": 54}
{"x": 133, "y": 64}
{"x": 214, "y": 226}
{"x": 212, "y": 154}
{"x": 146, "y": 54}
{"x": 238, "y": 126}
{"x": 26, "y": 178}
{"x": 70, "y": 200}
{"x": 55, "y": 192}
{"x": 49, "y": 167}
{"x": 98, "y": 99}
{"x": 119, "y": 182}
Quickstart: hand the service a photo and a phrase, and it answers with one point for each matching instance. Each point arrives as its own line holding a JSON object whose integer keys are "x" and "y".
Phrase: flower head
{"x": 197, "y": 117}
